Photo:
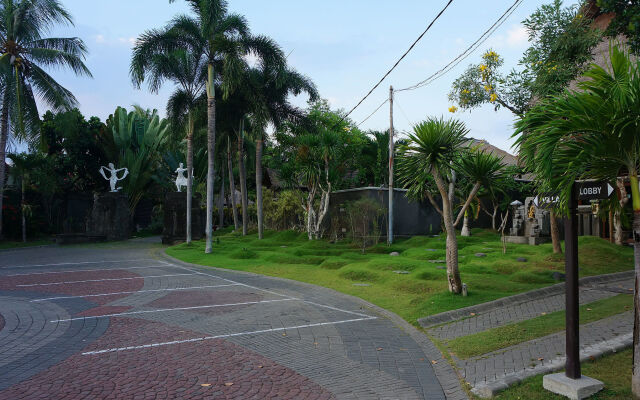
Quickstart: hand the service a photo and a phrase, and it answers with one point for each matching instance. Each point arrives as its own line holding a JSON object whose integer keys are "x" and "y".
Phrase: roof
{"x": 507, "y": 158}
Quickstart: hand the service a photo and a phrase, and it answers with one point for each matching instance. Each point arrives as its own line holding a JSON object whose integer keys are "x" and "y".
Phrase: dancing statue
{"x": 113, "y": 179}
{"x": 181, "y": 180}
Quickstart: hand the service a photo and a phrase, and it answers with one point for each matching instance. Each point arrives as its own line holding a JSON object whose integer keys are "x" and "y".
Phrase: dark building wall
{"x": 410, "y": 218}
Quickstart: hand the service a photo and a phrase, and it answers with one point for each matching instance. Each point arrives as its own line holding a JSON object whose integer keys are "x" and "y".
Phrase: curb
{"x": 461, "y": 313}
{"x": 488, "y": 390}
{"x": 446, "y": 375}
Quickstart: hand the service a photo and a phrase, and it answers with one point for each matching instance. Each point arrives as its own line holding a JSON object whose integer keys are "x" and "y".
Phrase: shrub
{"x": 364, "y": 218}
{"x": 283, "y": 210}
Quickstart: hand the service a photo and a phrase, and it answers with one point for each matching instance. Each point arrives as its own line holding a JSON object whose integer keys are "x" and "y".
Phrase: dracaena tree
{"x": 592, "y": 132}
{"x": 26, "y": 53}
{"x": 436, "y": 151}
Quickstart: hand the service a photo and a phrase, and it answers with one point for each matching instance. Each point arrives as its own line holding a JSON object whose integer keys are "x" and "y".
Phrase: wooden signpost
{"x": 582, "y": 190}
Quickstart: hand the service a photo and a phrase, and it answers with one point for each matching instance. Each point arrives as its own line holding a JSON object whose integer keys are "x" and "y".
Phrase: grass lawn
{"x": 421, "y": 289}
{"x": 510, "y": 335}
{"x": 614, "y": 370}
{"x": 15, "y": 245}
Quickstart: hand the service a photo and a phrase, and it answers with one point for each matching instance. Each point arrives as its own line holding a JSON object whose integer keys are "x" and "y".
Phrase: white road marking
{"x": 89, "y": 270}
{"x": 228, "y": 280}
{"x": 80, "y": 262}
{"x": 134, "y": 291}
{"x": 172, "y": 309}
{"x": 146, "y": 346}
{"x": 336, "y": 309}
{"x": 99, "y": 280}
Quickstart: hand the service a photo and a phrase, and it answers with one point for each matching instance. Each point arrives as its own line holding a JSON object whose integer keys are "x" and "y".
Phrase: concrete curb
{"x": 446, "y": 375}
{"x": 461, "y": 313}
{"x": 488, "y": 390}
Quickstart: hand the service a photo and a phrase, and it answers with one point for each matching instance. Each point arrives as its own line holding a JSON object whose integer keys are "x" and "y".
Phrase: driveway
{"x": 125, "y": 321}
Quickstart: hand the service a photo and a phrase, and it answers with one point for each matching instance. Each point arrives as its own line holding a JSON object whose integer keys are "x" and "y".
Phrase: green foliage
{"x": 626, "y": 20}
{"x": 365, "y": 217}
{"x": 283, "y": 211}
{"x": 561, "y": 42}
{"x": 590, "y": 133}
{"x": 137, "y": 141}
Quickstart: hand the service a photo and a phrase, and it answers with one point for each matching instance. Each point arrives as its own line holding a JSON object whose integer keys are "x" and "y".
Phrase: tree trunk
{"x": 211, "y": 151}
{"x": 221, "y": 199}
{"x": 24, "y": 218}
{"x": 243, "y": 181}
{"x": 232, "y": 188}
{"x": 4, "y": 134}
{"x": 635, "y": 198}
{"x": 453, "y": 273}
{"x": 493, "y": 217}
{"x": 617, "y": 219}
{"x": 465, "y": 225}
{"x": 610, "y": 226}
{"x": 555, "y": 233}
{"x": 259, "y": 185}
{"x": 189, "y": 175}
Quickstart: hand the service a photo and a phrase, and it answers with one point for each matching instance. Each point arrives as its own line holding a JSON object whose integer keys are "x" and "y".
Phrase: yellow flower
{"x": 453, "y": 109}
{"x": 482, "y": 68}
{"x": 466, "y": 91}
{"x": 493, "y": 97}
{"x": 488, "y": 88}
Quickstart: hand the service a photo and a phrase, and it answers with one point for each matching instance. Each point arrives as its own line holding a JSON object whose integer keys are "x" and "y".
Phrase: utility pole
{"x": 391, "y": 152}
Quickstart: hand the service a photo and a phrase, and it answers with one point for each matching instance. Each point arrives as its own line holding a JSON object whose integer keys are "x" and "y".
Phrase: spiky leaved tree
{"x": 435, "y": 148}
{"x": 26, "y": 53}
{"x": 186, "y": 69}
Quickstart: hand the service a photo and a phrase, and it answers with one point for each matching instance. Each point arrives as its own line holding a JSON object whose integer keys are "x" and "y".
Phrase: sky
{"x": 344, "y": 46}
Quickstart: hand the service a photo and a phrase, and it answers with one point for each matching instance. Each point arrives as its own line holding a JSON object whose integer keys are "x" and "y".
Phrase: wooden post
{"x": 391, "y": 151}
{"x": 571, "y": 285}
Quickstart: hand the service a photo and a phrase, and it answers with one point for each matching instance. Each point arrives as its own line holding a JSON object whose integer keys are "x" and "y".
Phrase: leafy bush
{"x": 364, "y": 218}
{"x": 283, "y": 210}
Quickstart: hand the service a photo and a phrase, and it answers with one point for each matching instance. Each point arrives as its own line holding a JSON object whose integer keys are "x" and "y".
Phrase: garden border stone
{"x": 461, "y": 313}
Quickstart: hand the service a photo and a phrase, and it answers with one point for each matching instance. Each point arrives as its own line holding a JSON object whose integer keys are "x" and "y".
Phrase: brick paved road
{"x": 120, "y": 321}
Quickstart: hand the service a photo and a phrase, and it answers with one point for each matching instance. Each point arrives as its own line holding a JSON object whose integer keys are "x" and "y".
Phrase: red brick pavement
{"x": 77, "y": 289}
{"x": 212, "y": 369}
{"x": 195, "y": 298}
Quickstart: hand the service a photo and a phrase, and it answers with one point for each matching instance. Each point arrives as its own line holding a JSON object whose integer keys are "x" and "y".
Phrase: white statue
{"x": 181, "y": 180}
{"x": 113, "y": 179}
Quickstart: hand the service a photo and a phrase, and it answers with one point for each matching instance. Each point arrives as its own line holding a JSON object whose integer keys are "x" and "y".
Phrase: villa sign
{"x": 545, "y": 200}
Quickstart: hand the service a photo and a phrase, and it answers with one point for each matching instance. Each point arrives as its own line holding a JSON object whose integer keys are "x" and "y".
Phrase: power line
{"x": 371, "y": 115}
{"x": 403, "y": 113}
{"x": 400, "y": 59}
{"x": 442, "y": 71}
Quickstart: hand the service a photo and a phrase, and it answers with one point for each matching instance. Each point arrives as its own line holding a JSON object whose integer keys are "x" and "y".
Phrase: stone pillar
{"x": 175, "y": 218}
{"x": 110, "y": 216}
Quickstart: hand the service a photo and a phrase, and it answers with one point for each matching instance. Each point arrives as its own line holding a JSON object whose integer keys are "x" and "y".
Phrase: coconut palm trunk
{"x": 635, "y": 198}
{"x": 189, "y": 174}
{"x": 555, "y": 233}
{"x": 222, "y": 198}
{"x": 4, "y": 135}
{"x": 23, "y": 209}
{"x": 259, "y": 144}
{"x": 232, "y": 187}
{"x": 211, "y": 151}
{"x": 243, "y": 180}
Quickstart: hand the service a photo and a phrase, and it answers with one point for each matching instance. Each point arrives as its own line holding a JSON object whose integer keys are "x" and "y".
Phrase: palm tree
{"x": 184, "y": 68}
{"x": 426, "y": 160}
{"x": 23, "y": 163}
{"x": 25, "y": 52}
{"x": 272, "y": 84}
{"x": 592, "y": 133}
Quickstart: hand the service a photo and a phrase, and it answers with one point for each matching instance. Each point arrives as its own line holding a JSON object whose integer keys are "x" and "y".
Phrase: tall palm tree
{"x": 425, "y": 166}
{"x": 225, "y": 40}
{"x": 592, "y": 133}
{"x": 185, "y": 68}
{"x": 25, "y": 54}
{"x": 23, "y": 164}
{"x": 272, "y": 84}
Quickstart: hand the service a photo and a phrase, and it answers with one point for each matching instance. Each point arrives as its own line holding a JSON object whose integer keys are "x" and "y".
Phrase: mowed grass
{"x": 614, "y": 370}
{"x": 422, "y": 290}
{"x": 510, "y": 335}
{"x": 16, "y": 245}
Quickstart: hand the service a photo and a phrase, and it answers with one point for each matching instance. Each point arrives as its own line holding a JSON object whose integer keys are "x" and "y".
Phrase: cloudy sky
{"x": 345, "y": 46}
